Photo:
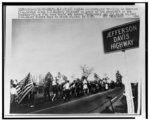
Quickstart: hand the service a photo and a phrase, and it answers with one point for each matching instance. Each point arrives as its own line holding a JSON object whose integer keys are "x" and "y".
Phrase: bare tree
{"x": 86, "y": 71}
{"x": 41, "y": 79}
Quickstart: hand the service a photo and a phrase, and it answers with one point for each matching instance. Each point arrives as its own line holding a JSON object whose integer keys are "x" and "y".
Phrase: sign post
{"x": 121, "y": 38}
{"x": 128, "y": 89}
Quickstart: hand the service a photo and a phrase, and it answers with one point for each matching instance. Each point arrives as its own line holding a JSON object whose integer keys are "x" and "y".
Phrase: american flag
{"x": 24, "y": 87}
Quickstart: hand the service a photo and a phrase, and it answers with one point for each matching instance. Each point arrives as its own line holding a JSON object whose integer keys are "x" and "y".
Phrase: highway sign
{"x": 121, "y": 37}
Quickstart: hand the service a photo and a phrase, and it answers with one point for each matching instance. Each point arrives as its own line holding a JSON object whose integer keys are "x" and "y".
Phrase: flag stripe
{"x": 25, "y": 93}
{"x": 23, "y": 88}
{"x": 22, "y": 92}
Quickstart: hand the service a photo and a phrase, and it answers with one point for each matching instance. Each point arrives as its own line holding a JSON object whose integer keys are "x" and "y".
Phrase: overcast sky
{"x": 41, "y": 46}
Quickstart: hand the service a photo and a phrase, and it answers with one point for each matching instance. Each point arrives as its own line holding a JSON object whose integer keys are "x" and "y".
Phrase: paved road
{"x": 93, "y": 103}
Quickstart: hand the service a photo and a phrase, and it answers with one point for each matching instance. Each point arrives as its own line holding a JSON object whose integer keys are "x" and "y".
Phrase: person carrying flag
{"x": 32, "y": 93}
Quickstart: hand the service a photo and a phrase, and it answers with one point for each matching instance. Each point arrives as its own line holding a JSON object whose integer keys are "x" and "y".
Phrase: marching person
{"x": 105, "y": 79}
{"x": 72, "y": 88}
{"x": 97, "y": 82}
{"x": 47, "y": 85}
{"x": 13, "y": 94}
{"x": 119, "y": 78}
{"x": 106, "y": 86}
{"x": 33, "y": 92}
{"x": 55, "y": 89}
{"x": 67, "y": 90}
{"x": 85, "y": 85}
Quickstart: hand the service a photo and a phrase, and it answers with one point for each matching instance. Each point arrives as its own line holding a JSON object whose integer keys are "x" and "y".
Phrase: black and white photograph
{"x": 74, "y": 60}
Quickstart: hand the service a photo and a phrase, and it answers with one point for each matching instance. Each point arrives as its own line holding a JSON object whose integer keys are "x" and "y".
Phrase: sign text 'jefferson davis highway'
{"x": 121, "y": 37}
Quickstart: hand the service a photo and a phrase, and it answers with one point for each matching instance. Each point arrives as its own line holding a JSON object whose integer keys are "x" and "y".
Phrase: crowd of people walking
{"x": 60, "y": 88}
